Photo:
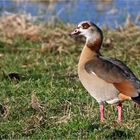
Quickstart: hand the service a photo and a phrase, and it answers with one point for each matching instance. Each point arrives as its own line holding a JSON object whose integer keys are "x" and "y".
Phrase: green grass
{"x": 69, "y": 111}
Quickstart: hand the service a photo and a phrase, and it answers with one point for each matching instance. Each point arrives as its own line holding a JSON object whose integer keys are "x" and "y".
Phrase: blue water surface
{"x": 104, "y": 12}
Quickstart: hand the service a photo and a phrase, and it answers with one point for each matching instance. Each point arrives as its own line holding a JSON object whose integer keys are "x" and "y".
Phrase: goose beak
{"x": 75, "y": 32}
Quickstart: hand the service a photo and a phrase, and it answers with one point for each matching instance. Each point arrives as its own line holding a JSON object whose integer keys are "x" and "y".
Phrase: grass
{"x": 69, "y": 112}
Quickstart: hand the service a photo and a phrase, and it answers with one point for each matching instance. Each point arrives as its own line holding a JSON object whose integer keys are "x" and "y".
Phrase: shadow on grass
{"x": 109, "y": 133}
{"x": 116, "y": 134}
{"x": 93, "y": 126}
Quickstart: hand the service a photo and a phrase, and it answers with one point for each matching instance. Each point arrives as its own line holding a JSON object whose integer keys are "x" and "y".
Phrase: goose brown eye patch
{"x": 85, "y": 25}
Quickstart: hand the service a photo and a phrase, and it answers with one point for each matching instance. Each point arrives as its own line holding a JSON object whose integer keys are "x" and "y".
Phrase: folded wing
{"x": 115, "y": 72}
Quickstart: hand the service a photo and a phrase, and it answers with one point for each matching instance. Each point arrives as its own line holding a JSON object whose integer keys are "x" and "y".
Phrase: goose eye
{"x": 85, "y": 25}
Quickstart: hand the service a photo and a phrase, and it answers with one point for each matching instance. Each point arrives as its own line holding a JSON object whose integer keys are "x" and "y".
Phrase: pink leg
{"x": 102, "y": 113}
{"x": 119, "y": 108}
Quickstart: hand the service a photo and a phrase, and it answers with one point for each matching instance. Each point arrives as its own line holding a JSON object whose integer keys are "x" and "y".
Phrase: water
{"x": 104, "y": 12}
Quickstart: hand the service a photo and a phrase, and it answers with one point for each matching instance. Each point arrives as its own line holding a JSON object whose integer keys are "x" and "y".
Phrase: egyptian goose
{"x": 106, "y": 79}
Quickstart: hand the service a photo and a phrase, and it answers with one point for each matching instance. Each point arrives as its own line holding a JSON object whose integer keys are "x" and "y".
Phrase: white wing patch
{"x": 93, "y": 73}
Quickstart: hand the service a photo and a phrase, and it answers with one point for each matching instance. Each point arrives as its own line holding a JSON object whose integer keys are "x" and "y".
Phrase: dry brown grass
{"x": 14, "y": 25}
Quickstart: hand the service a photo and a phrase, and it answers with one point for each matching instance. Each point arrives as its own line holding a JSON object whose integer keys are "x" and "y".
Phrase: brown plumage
{"x": 107, "y": 80}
